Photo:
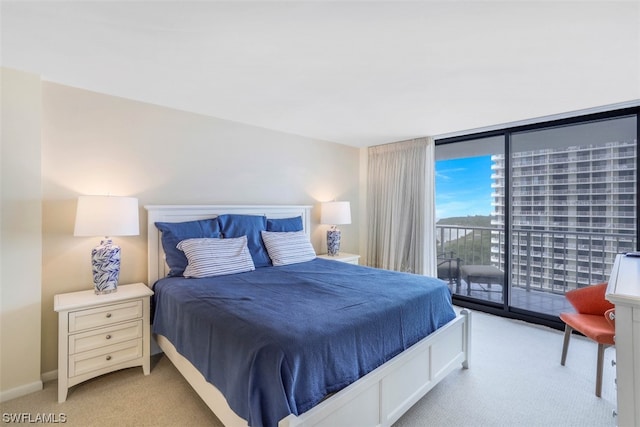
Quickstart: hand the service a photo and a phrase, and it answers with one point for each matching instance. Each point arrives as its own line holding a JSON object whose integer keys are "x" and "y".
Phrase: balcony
{"x": 544, "y": 264}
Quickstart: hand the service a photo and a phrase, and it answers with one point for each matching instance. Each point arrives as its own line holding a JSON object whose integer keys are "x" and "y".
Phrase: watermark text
{"x": 38, "y": 418}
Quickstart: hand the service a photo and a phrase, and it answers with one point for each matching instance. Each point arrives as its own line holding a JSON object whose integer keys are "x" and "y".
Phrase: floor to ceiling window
{"x": 562, "y": 203}
{"x": 468, "y": 229}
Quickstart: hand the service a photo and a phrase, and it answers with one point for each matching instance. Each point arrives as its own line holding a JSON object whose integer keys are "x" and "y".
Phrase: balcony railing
{"x": 547, "y": 261}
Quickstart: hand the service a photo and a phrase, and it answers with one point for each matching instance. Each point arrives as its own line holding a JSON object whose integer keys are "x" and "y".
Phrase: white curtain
{"x": 401, "y": 206}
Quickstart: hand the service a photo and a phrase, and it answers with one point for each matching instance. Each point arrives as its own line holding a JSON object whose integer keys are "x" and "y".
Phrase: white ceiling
{"x": 358, "y": 73}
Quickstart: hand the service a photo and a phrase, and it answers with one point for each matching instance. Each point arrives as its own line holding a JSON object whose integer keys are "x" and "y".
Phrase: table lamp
{"x": 334, "y": 214}
{"x": 106, "y": 216}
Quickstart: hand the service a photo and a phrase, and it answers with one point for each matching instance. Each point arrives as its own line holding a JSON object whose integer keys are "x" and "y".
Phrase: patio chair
{"x": 449, "y": 268}
{"x": 594, "y": 318}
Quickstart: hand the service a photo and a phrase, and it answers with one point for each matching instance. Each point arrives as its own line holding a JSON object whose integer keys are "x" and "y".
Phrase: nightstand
{"x": 342, "y": 257}
{"x": 98, "y": 334}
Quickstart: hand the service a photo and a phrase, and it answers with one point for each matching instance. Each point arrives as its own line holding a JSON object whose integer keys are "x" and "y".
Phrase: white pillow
{"x": 215, "y": 257}
{"x": 289, "y": 247}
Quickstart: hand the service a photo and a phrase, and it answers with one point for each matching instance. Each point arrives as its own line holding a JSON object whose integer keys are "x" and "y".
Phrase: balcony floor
{"x": 531, "y": 300}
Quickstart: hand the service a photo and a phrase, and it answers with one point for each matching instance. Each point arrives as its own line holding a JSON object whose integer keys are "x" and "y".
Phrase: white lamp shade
{"x": 107, "y": 216}
{"x": 335, "y": 213}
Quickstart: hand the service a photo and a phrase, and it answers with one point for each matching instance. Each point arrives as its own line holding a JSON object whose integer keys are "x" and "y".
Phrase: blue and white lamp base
{"x": 333, "y": 242}
{"x": 105, "y": 263}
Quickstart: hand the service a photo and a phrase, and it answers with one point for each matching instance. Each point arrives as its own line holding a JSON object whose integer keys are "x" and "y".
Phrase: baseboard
{"x": 49, "y": 376}
{"x": 23, "y": 390}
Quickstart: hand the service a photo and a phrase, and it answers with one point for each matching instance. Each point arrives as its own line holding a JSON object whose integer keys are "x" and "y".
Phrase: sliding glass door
{"x": 573, "y": 208}
{"x": 527, "y": 213}
{"x": 469, "y": 227}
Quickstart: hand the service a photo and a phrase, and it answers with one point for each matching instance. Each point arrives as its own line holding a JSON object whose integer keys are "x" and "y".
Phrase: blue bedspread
{"x": 277, "y": 340}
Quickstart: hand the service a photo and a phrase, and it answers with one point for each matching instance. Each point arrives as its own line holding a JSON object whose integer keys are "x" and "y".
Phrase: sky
{"x": 463, "y": 187}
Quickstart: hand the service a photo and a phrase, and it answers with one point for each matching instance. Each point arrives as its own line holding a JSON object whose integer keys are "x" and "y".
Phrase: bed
{"x": 388, "y": 383}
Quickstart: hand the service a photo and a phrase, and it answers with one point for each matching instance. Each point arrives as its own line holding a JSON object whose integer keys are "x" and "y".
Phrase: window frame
{"x": 506, "y": 131}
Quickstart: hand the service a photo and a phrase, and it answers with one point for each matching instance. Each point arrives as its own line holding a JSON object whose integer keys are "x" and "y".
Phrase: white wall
{"x": 20, "y": 234}
{"x": 99, "y": 144}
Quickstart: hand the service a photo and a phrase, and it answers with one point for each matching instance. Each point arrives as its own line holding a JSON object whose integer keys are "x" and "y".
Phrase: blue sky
{"x": 463, "y": 187}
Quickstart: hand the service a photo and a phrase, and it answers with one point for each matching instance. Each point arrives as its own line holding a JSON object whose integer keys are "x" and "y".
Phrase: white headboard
{"x": 179, "y": 213}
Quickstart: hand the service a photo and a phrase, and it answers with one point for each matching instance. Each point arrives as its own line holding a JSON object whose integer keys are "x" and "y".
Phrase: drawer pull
{"x": 108, "y": 315}
{"x": 108, "y": 337}
{"x": 108, "y": 357}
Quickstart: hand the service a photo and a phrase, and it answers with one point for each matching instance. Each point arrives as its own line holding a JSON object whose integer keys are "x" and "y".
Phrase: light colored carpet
{"x": 515, "y": 379}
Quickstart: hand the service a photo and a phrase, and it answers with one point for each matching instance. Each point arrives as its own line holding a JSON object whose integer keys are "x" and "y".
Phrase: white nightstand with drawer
{"x": 98, "y": 334}
{"x": 342, "y": 257}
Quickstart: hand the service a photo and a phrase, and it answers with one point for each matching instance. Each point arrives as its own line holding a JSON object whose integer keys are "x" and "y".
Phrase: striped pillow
{"x": 216, "y": 257}
{"x": 288, "y": 247}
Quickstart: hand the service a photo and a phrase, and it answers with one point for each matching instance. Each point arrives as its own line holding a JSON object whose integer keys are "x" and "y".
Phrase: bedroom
{"x": 85, "y": 138}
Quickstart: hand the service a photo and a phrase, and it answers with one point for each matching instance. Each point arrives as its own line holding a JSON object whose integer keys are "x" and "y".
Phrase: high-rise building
{"x": 572, "y": 208}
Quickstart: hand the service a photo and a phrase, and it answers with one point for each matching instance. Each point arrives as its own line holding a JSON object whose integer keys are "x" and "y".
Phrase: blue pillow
{"x": 285, "y": 224}
{"x": 235, "y": 225}
{"x": 175, "y": 232}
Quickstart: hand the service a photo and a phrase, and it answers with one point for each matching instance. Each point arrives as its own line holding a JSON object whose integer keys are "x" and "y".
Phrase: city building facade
{"x": 572, "y": 208}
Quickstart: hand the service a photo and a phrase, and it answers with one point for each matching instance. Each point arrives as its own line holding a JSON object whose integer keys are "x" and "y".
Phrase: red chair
{"x": 594, "y": 318}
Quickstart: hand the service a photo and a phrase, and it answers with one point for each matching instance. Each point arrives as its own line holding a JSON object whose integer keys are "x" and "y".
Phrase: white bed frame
{"x": 378, "y": 399}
